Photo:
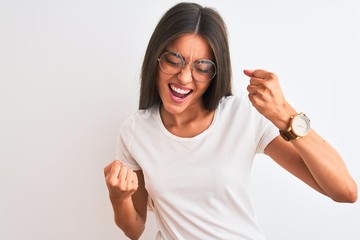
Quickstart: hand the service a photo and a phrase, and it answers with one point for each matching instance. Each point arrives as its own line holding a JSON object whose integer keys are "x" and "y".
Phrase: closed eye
{"x": 173, "y": 59}
{"x": 204, "y": 67}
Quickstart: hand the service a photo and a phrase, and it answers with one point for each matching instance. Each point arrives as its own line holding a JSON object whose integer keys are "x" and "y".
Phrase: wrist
{"x": 120, "y": 200}
{"x": 283, "y": 119}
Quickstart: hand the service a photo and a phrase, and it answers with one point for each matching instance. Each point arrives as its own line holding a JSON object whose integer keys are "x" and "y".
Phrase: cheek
{"x": 159, "y": 81}
{"x": 162, "y": 84}
{"x": 203, "y": 88}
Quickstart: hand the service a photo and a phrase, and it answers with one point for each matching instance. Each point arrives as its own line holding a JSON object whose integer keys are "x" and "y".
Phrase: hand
{"x": 121, "y": 181}
{"x": 267, "y": 97}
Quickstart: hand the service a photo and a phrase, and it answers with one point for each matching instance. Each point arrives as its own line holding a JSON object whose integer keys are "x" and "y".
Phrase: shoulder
{"x": 238, "y": 102}
{"x": 239, "y": 108}
{"x": 138, "y": 119}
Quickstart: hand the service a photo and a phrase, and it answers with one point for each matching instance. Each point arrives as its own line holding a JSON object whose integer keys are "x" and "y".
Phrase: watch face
{"x": 301, "y": 125}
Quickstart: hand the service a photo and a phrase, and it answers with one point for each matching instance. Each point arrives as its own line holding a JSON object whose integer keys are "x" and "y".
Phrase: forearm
{"x": 323, "y": 162}
{"x": 327, "y": 167}
{"x": 127, "y": 218}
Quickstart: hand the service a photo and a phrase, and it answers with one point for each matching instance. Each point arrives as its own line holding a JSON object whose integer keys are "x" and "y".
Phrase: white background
{"x": 69, "y": 75}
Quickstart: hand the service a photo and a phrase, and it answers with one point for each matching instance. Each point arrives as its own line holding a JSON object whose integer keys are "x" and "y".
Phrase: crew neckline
{"x": 187, "y": 139}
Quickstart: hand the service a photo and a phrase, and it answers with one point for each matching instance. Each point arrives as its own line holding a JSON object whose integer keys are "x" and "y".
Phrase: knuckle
{"x": 258, "y": 92}
{"x": 123, "y": 186}
{"x": 272, "y": 75}
{"x": 116, "y": 162}
{"x": 266, "y": 85}
{"x": 256, "y": 72}
{"x": 124, "y": 167}
{"x": 112, "y": 182}
{"x": 249, "y": 88}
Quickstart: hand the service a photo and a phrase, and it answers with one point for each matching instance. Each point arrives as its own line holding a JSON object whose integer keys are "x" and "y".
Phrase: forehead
{"x": 191, "y": 46}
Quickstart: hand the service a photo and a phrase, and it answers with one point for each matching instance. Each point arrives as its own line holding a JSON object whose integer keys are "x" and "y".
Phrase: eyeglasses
{"x": 173, "y": 63}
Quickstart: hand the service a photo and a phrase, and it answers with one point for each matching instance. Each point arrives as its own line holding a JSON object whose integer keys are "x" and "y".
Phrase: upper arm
{"x": 140, "y": 196}
{"x": 285, "y": 154}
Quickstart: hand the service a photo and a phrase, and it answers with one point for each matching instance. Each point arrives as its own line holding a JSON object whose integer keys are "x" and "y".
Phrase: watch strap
{"x": 288, "y": 135}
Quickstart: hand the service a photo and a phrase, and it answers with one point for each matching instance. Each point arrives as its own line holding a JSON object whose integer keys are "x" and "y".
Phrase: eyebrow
{"x": 167, "y": 50}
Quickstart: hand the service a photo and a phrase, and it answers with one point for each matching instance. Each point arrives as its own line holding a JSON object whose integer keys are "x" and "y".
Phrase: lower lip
{"x": 177, "y": 99}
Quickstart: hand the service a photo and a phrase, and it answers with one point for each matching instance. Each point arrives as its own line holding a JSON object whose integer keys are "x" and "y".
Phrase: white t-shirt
{"x": 200, "y": 186}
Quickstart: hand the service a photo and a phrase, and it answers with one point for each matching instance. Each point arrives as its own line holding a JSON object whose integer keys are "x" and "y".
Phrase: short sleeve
{"x": 268, "y": 134}
{"x": 125, "y": 137}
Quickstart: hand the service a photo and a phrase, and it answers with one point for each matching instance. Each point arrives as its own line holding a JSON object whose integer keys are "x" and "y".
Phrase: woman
{"x": 190, "y": 146}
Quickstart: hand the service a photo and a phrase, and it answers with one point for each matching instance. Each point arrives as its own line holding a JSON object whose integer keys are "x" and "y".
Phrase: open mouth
{"x": 179, "y": 92}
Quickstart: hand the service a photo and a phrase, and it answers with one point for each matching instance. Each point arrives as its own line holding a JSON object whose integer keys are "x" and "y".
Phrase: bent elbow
{"x": 133, "y": 232}
{"x": 353, "y": 196}
{"x": 135, "y": 235}
{"x": 350, "y": 195}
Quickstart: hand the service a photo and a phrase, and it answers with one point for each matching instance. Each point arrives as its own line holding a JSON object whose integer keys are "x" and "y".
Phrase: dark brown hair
{"x": 180, "y": 19}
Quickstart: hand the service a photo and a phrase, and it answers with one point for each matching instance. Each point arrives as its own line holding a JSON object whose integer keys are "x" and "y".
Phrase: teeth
{"x": 179, "y": 90}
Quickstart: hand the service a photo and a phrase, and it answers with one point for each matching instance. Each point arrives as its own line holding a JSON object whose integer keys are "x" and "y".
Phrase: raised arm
{"x": 128, "y": 197}
{"x": 310, "y": 158}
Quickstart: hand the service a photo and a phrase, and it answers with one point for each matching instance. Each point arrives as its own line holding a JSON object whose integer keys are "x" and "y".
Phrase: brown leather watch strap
{"x": 288, "y": 135}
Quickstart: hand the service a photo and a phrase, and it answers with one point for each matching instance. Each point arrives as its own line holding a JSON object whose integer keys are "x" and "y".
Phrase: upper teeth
{"x": 179, "y": 90}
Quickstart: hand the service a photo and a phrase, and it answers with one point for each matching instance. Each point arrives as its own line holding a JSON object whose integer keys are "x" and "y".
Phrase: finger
{"x": 248, "y": 73}
{"x": 107, "y": 170}
{"x": 135, "y": 179}
{"x": 112, "y": 177}
{"x": 251, "y": 97}
{"x": 116, "y": 166}
{"x": 259, "y": 73}
{"x": 134, "y": 182}
{"x": 255, "y": 100}
{"x": 129, "y": 179}
{"x": 252, "y": 89}
{"x": 108, "y": 167}
{"x": 257, "y": 81}
{"x": 129, "y": 175}
{"x": 123, "y": 173}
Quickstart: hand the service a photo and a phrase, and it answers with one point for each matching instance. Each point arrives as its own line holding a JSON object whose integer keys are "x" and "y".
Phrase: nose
{"x": 185, "y": 76}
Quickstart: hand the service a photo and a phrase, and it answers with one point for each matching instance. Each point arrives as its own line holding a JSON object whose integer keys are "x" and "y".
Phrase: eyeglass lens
{"x": 172, "y": 63}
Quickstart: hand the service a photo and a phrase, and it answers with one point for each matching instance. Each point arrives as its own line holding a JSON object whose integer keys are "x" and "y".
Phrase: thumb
{"x": 248, "y": 73}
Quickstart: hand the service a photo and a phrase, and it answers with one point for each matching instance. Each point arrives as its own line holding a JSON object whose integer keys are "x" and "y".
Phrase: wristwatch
{"x": 299, "y": 126}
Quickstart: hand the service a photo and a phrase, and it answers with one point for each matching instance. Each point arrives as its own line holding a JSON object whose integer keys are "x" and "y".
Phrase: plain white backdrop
{"x": 69, "y": 75}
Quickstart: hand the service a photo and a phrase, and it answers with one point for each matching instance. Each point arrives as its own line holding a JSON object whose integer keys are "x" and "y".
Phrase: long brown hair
{"x": 180, "y": 19}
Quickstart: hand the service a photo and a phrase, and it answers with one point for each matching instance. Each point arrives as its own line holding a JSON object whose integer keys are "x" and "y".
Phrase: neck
{"x": 188, "y": 123}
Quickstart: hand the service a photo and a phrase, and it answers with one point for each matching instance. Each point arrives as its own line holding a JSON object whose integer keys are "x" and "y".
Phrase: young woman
{"x": 190, "y": 146}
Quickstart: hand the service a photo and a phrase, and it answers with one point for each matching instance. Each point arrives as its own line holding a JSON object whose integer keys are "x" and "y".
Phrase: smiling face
{"x": 180, "y": 93}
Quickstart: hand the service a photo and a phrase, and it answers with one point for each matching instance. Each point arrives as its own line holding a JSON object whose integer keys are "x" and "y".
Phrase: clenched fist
{"x": 267, "y": 97}
{"x": 121, "y": 181}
